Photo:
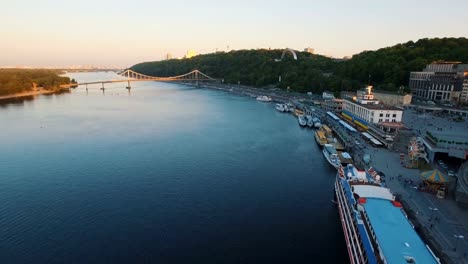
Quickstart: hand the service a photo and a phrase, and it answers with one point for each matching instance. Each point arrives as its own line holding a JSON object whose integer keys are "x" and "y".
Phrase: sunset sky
{"x": 63, "y": 33}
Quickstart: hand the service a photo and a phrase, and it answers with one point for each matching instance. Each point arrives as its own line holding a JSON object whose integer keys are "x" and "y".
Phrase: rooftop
{"x": 373, "y": 191}
{"x": 376, "y": 106}
{"x": 395, "y": 234}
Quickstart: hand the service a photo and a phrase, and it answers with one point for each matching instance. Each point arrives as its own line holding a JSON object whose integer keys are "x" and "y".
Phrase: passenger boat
{"x": 330, "y": 154}
{"x": 320, "y": 138}
{"x": 375, "y": 226}
{"x": 263, "y": 98}
{"x": 281, "y": 107}
{"x": 302, "y": 120}
{"x": 298, "y": 112}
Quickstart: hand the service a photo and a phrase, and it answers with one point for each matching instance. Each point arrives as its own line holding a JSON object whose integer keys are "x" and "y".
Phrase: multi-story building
{"x": 439, "y": 81}
{"x": 328, "y": 95}
{"x": 364, "y": 110}
{"x": 463, "y": 98}
{"x": 393, "y": 98}
{"x": 333, "y": 105}
{"x": 347, "y": 94}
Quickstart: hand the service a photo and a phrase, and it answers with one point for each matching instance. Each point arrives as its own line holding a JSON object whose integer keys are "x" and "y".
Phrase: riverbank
{"x": 26, "y": 94}
{"x": 276, "y": 94}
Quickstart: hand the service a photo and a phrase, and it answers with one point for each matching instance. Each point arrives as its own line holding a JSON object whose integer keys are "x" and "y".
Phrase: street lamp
{"x": 458, "y": 237}
{"x": 432, "y": 212}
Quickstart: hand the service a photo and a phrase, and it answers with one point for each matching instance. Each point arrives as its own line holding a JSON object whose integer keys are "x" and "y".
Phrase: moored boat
{"x": 375, "y": 226}
{"x": 298, "y": 112}
{"x": 281, "y": 107}
{"x": 263, "y": 98}
{"x": 302, "y": 120}
{"x": 320, "y": 138}
{"x": 317, "y": 123}
{"x": 330, "y": 154}
{"x": 310, "y": 122}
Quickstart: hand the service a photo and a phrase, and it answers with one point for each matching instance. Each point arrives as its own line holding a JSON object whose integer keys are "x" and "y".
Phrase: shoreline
{"x": 25, "y": 94}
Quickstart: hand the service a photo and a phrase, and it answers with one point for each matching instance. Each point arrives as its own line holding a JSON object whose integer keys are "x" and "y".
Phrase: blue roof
{"x": 395, "y": 235}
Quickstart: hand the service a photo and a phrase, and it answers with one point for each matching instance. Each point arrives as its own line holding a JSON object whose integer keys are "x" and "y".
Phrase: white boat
{"x": 281, "y": 107}
{"x": 302, "y": 120}
{"x": 317, "y": 123}
{"x": 263, "y": 98}
{"x": 330, "y": 154}
{"x": 310, "y": 122}
{"x": 375, "y": 225}
{"x": 290, "y": 107}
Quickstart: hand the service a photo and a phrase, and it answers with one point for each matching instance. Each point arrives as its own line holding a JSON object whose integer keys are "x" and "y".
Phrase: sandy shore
{"x": 23, "y": 94}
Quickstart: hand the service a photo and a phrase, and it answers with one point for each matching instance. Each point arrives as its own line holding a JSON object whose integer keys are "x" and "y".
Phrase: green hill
{"x": 388, "y": 67}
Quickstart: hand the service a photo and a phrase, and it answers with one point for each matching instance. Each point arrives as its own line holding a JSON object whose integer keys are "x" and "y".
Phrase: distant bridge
{"x": 133, "y": 76}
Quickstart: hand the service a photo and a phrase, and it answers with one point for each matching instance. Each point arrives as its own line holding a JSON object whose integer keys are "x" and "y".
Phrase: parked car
{"x": 451, "y": 173}
{"x": 357, "y": 142}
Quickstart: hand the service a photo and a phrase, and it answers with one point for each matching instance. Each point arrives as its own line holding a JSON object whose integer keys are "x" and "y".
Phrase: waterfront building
{"x": 393, "y": 98}
{"x": 347, "y": 94}
{"x": 333, "y": 105}
{"x": 463, "y": 98}
{"x": 440, "y": 81}
{"x": 328, "y": 95}
{"x": 364, "y": 109}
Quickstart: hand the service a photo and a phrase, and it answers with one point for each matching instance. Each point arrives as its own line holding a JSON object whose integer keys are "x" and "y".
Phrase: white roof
{"x": 370, "y": 191}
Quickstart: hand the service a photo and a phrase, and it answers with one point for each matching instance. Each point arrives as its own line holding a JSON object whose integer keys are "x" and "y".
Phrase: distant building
{"x": 364, "y": 109}
{"x": 393, "y": 98}
{"x": 463, "y": 98}
{"x": 333, "y": 105}
{"x": 440, "y": 81}
{"x": 309, "y": 50}
{"x": 385, "y": 97}
{"x": 168, "y": 56}
{"x": 347, "y": 94}
{"x": 190, "y": 54}
{"x": 328, "y": 95}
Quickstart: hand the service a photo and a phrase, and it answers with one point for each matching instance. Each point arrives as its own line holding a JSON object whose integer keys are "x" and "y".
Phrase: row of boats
{"x": 307, "y": 120}
{"x": 375, "y": 225}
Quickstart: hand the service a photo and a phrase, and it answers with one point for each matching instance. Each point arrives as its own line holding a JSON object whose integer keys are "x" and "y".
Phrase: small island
{"x": 29, "y": 82}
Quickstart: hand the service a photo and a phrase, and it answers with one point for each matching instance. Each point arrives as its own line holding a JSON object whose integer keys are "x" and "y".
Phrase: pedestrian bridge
{"x": 133, "y": 76}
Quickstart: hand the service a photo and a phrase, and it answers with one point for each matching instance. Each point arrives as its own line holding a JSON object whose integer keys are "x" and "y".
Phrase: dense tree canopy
{"x": 386, "y": 68}
{"x": 21, "y": 80}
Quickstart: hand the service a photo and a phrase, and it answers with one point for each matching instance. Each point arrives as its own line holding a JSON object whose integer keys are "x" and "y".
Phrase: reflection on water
{"x": 23, "y": 99}
{"x": 15, "y": 101}
{"x": 170, "y": 174}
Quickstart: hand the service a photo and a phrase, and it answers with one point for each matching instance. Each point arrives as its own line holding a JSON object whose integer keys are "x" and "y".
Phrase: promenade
{"x": 438, "y": 221}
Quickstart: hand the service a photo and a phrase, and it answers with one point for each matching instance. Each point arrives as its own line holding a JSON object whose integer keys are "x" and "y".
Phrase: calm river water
{"x": 165, "y": 174}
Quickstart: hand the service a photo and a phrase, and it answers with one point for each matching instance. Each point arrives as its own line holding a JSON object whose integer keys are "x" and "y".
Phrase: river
{"x": 165, "y": 173}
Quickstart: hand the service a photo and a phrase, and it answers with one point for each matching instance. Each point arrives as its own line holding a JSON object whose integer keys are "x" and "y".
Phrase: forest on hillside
{"x": 21, "y": 80}
{"x": 386, "y": 68}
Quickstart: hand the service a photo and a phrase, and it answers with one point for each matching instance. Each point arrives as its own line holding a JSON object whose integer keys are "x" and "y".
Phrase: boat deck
{"x": 395, "y": 234}
{"x": 345, "y": 158}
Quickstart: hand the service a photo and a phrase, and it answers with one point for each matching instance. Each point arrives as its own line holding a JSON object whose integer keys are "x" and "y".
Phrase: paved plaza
{"x": 439, "y": 220}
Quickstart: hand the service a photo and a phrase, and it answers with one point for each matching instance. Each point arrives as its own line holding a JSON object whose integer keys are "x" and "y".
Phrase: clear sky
{"x": 103, "y": 32}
